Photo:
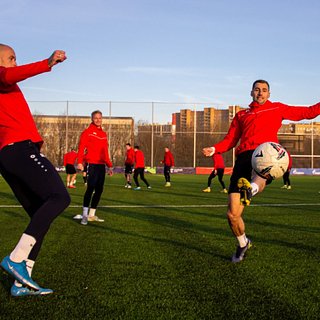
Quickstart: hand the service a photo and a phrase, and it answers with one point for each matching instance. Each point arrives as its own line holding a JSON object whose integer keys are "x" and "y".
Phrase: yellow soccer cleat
{"x": 245, "y": 191}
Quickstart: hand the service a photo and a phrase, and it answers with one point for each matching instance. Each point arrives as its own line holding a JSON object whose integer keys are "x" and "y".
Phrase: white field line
{"x": 184, "y": 205}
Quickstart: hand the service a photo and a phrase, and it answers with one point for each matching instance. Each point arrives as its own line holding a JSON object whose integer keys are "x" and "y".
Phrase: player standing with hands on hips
{"x": 253, "y": 126}
{"x": 31, "y": 176}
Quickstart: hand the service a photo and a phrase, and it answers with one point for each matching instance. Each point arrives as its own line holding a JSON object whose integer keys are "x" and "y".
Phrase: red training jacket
{"x": 218, "y": 161}
{"x": 16, "y": 121}
{"x": 139, "y": 159}
{"x": 93, "y": 145}
{"x": 260, "y": 123}
{"x": 129, "y": 157}
{"x": 70, "y": 158}
{"x": 168, "y": 159}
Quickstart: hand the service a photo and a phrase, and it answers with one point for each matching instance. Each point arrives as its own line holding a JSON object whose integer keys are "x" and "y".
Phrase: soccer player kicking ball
{"x": 257, "y": 124}
{"x": 32, "y": 178}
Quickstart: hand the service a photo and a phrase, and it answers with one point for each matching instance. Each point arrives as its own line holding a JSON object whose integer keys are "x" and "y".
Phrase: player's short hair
{"x": 261, "y": 81}
{"x": 136, "y": 147}
{"x": 128, "y": 144}
{"x": 95, "y": 112}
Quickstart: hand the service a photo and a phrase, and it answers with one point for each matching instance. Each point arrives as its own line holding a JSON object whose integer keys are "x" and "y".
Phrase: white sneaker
{"x": 95, "y": 219}
{"x": 84, "y": 220}
{"x": 78, "y": 217}
{"x": 129, "y": 186}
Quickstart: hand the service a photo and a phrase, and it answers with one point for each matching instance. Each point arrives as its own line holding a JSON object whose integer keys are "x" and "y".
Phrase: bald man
{"x": 32, "y": 178}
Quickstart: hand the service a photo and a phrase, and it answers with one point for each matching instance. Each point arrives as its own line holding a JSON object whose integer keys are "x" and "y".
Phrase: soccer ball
{"x": 270, "y": 160}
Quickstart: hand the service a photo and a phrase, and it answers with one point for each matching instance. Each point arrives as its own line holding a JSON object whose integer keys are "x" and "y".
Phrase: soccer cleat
{"x": 72, "y": 186}
{"x": 24, "y": 291}
{"x": 129, "y": 186}
{"x": 95, "y": 219}
{"x": 284, "y": 187}
{"x": 137, "y": 188}
{"x": 149, "y": 187}
{"x": 78, "y": 217}
{"x": 84, "y": 220}
{"x": 126, "y": 186}
{"x": 18, "y": 270}
{"x": 168, "y": 184}
{"x": 224, "y": 191}
{"x": 245, "y": 191}
{"x": 289, "y": 187}
{"x": 240, "y": 253}
{"x": 207, "y": 189}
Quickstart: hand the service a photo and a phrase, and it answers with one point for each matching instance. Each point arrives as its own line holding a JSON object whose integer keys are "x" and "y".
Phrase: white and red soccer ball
{"x": 270, "y": 160}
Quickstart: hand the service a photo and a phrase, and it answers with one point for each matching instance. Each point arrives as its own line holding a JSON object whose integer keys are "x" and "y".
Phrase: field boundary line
{"x": 183, "y": 205}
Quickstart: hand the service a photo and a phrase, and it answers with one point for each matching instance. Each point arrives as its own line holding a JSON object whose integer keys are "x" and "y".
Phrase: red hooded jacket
{"x": 139, "y": 159}
{"x": 70, "y": 158}
{"x": 218, "y": 161}
{"x": 168, "y": 159}
{"x": 16, "y": 121}
{"x": 129, "y": 157}
{"x": 93, "y": 145}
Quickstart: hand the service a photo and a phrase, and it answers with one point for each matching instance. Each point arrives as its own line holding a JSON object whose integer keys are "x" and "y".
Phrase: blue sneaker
{"x": 241, "y": 251}
{"x": 24, "y": 291}
{"x": 19, "y": 272}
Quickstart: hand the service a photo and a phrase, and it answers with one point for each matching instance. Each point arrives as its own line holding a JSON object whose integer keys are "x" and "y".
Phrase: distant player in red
{"x": 218, "y": 170}
{"x": 286, "y": 179}
{"x": 128, "y": 165}
{"x": 168, "y": 162}
{"x": 253, "y": 126}
{"x": 31, "y": 176}
{"x": 139, "y": 168}
{"x": 93, "y": 145}
{"x": 69, "y": 160}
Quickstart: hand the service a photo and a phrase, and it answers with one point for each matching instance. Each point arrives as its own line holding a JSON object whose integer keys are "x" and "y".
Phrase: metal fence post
{"x": 152, "y": 132}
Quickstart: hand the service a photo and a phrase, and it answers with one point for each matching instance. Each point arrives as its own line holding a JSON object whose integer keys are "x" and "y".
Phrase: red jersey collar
{"x": 255, "y": 104}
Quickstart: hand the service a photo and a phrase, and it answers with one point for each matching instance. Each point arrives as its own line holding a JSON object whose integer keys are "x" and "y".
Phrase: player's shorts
{"x": 242, "y": 169}
{"x": 70, "y": 169}
{"x": 128, "y": 169}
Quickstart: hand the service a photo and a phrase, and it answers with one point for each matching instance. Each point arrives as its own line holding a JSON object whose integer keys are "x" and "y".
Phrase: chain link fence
{"x": 185, "y": 128}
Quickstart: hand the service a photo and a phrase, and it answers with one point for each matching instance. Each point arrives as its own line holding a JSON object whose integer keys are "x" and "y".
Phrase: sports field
{"x": 165, "y": 253}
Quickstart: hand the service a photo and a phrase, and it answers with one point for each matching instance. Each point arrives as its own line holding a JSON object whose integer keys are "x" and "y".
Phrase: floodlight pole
{"x": 312, "y": 146}
{"x": 67, "y": 126}
{"x": 152, "y": 133}
{"x": 109, "y": 128}
{"x": 194, "y": 137}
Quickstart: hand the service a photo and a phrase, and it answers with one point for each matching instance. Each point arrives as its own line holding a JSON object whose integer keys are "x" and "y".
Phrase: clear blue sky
{"x": 168, "y": 50}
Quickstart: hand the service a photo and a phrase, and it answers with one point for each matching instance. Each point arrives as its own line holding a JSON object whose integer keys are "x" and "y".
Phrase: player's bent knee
{"x": 61, "y": 199}
{"x": 232, "y": 217}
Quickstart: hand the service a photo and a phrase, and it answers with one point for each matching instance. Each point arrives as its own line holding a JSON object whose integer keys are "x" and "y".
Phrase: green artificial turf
{"x": 165, "y": 253}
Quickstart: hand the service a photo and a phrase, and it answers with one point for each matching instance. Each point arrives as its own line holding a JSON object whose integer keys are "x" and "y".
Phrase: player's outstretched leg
{"x": 245, "y": 191}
